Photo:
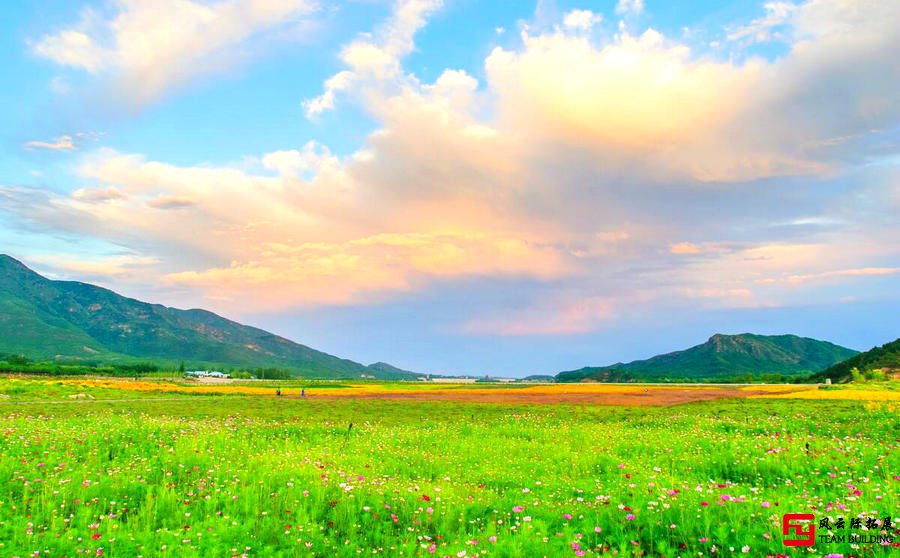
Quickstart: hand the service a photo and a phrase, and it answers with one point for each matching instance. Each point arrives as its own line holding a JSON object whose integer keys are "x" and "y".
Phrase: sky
{"x": 454, "y": 186}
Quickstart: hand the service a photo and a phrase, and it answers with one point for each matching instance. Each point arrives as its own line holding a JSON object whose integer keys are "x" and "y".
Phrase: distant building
{"x": 206, "y": 374}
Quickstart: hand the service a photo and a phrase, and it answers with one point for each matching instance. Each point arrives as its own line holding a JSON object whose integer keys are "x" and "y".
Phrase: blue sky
{"x": 460, "y": 186}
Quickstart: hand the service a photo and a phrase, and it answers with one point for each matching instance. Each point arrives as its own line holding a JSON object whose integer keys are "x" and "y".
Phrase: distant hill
{"x": 44, "y": 319}
{"x": 385, "y": 371}
{"x": 885, "y": 357}
{"x": 723, "y": 357}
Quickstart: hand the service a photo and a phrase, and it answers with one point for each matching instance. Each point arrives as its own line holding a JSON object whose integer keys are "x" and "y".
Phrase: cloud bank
{"x": 617, "y": 173}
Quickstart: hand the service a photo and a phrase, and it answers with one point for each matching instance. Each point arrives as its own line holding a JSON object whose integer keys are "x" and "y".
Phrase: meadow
{"x": 172, "y": 469}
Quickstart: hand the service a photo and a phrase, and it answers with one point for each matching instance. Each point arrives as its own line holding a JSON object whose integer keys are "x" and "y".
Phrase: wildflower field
{"x": 232, "y": 472}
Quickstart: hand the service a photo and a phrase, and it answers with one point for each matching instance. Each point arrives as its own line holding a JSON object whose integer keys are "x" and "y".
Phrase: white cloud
{"x": 629, "y": 7}
{"x": 62, "y": 143}
{"x": 97, "y": 195}
{"x": 147, "y": 47}
{"x": 841, "y": 273}
{"x": 581, "y": 20}
{"x": 766, "y": 28}
{"x": 376, "y": 57}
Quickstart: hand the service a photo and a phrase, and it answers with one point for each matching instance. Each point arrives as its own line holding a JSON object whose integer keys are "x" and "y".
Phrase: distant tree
{"x": 18, "y": 360}
{"x": 181, "y": 367}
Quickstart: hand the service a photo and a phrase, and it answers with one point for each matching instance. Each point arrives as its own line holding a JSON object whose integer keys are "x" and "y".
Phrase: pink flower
{"x": 567, "y": 516}
{"x": 579, "y": 553}
{"x": 429, "y": 510}
{"x": 726, "y": 497}
{"x": 492, "y": 539}
{"x": 704, "y": 503}
{"x": 704, "y": 539}
{"x": 518, "y": 509}
{"x": 629, "y": 517}
{"x": 432, "y": 548}
{"x": 394, "y": 518}
{"x": 765, "y": 504}
{"x": 597, "y": 529}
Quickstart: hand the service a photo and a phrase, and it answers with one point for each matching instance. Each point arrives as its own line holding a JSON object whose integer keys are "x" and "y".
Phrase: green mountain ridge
{"x": 723, "y": 357}
{"x": 885, "y": 357}
{"x": 45, "y": 319}
{"x": 389, "y": 371}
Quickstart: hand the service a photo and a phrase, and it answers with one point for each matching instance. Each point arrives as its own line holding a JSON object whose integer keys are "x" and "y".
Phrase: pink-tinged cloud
{"x": 843, "y": 273}
{"x": 550, "y": 317}
{"x": 365, "y": 269}
{"x": 684, "y": 248}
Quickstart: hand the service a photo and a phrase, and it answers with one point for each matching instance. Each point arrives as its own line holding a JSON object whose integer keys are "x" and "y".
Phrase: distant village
{"x": 423, "y": 378}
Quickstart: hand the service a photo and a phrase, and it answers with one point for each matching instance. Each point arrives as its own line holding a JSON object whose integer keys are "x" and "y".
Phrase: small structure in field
{"x": 206, "y": 374}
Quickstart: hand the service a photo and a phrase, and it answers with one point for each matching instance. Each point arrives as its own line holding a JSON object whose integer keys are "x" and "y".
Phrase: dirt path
{"x": 636, "y": 398}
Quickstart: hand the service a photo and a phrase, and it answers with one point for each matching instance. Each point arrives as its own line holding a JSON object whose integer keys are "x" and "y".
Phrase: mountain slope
{"x": 41, "y": 318}
{"x": 722, "y": 357}
{"x": 885, "y": 357}
{"x": 387, "y": 371}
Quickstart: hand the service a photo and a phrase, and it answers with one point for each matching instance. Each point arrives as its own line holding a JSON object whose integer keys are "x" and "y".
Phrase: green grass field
{"x": 260, "y": 476}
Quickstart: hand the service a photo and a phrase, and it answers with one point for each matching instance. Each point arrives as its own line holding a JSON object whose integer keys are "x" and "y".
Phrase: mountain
{"x": 723, "y": 357}
{"x": 387, "y": 371}
{"x": 41, "y": 319}
{"x": 885, "y": 357}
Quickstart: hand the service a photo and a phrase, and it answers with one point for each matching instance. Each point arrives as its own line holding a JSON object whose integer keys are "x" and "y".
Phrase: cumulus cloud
{"x": 581, "y": 20}
{"x": 147, "y": 47}
{"x": 648, "y": 102}
{"x": 289, "y": 240}
{"x": 375, "y": 58}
